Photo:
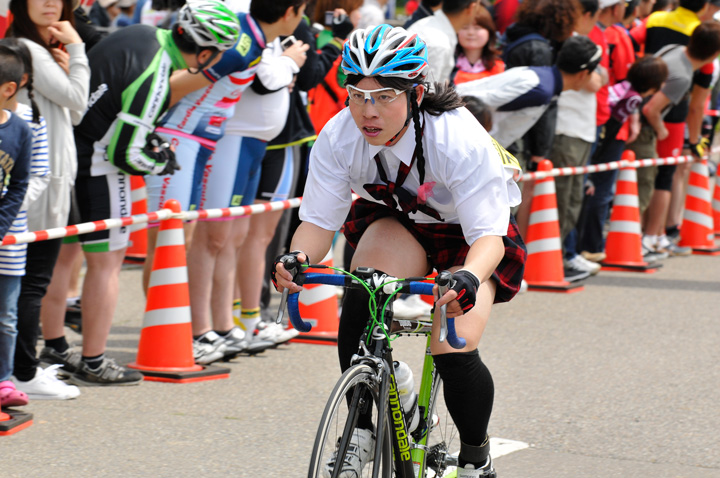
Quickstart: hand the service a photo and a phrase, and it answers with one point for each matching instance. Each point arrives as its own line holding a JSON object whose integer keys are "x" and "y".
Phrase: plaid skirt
{"x": 445, "y": 244}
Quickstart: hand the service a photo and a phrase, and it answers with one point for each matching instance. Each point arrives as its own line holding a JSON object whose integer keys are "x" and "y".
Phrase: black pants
{"x": 41, "y": 258}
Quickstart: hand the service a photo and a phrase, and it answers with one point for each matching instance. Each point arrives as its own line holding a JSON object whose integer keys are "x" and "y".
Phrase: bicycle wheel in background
{"x": 443, "y": 439}
{"x": 355, "y": 392}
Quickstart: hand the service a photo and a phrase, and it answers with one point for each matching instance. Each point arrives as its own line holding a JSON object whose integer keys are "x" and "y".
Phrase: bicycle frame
{"x": 410, "y": 450}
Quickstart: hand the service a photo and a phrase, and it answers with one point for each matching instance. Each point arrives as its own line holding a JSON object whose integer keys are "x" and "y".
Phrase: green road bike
{"x": 369, "y": 387}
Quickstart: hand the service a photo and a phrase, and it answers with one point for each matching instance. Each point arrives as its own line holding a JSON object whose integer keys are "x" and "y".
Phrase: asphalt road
{"x": 620, "y": 380}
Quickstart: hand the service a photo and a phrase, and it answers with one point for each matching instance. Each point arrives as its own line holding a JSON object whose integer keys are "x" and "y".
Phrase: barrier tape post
{"x": 697, "y": 230}
{"x": 165, "y": 351}
{"x": 544, "y": 267}
{"x": 623, "y": 245}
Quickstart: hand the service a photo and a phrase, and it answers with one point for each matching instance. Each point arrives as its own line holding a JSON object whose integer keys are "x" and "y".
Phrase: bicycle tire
{"x": 337, "y": 414}
{"x": 443, "y": 438}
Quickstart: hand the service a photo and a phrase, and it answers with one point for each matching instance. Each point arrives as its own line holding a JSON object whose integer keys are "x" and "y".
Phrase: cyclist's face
{"x": 379, "y": 121}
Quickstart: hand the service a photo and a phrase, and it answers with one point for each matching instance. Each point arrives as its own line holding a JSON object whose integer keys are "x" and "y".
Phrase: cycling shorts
{"x": 185, "y": 185}
{"x": 104, "y": 197}
{"x": 232, "y": 173}
{"x": 669, "y": 147}
{"x": 276, "y": 176}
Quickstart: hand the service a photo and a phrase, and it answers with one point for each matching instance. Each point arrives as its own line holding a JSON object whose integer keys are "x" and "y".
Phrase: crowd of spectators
{"x": 237, "y": 128}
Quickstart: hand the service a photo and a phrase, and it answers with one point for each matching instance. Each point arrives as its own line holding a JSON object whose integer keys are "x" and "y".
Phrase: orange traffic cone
{"x": 12, "y": 421}
{"x": 716, "y": 207}
{"x": 544, "y": 266}
{"x": 697, "y": 230}
{"x": 137, "y": 250}
{"x": 318, "y": 304}
{"x": 165, "y": 352}
{"x": 624, "y": 241}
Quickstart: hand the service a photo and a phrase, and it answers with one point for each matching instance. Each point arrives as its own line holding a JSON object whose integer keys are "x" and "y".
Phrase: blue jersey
{"x": 203, "y": 113}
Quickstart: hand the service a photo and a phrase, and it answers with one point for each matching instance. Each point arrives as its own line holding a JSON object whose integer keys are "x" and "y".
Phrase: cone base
{"x": 318, "y": 338}
{"x": 645, "y": 267}
{"x": 205, "y": 372}
{"x": 18, "y": 421}
{"x": 706, "y": 251}
{"x": 558, "y": 287}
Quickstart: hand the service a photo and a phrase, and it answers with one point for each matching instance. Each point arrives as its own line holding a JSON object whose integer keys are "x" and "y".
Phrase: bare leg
{"x": 679, "y": 189}
{"x": 224, "y": 277}
{"x": 100, "y": 294}
{"x": 210, "y": 238}
{"x": 657, "y": 213}
{"x": 52, "y": 312}
{"x": 251, "y": 257}
{"x": 523, "y": 213}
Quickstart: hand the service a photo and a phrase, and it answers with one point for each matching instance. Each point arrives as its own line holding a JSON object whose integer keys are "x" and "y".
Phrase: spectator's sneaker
{"x": 666, "y": 245}
{"x": 208, "y": 348}
{"x": 359, "y": 453}
{"x": 10, "y": 396}
{"x": 108, "y": 373}
{"x": 73, "y": 316}
{"x": 485, "y": 471}
{"x": 46, "y": 386}
{"x": 69, "y": 360}
{"x": 593, "y": 256}
{"x": 582, "y": 264}
{"x": 235, "y": 342}
{"x": 573, "y": 272}
{"x": 275, "y": 333}
{"x": 650, "y": 252}
{"x": 257, "y": 345}
{"x": 410, "y": 307}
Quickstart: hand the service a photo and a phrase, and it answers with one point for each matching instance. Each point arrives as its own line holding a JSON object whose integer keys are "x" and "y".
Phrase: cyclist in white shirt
{"x": 436, "y": 192}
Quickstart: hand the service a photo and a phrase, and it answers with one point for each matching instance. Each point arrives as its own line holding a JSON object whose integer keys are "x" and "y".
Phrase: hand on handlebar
{"x": 286, "y": 269}
{"x": 460, "y": 298}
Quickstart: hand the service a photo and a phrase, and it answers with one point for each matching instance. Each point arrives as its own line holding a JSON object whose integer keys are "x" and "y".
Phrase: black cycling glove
{"x": 342, "y": 26}
{"x": 291, "y": 263}
{"x": 699, "y": 149}
{"x": 466, "y": 285}
{"x": 159, "y": 149}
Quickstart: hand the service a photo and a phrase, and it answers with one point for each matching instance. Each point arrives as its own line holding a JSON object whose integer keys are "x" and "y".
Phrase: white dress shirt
{"x": 471, "y": 186}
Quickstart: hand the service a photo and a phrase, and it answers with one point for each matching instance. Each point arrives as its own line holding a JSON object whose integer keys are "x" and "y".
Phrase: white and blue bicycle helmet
{"x": 385, "y": 51}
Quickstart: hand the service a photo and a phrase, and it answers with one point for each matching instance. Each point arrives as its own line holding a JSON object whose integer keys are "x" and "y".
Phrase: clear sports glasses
{"x": 381, "y": 96}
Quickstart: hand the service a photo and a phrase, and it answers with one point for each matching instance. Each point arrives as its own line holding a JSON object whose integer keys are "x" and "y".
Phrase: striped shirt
{"x": 12, "y": 258}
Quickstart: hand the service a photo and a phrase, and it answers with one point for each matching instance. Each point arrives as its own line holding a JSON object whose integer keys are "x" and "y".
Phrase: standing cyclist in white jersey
{"x": 436, "y": 192}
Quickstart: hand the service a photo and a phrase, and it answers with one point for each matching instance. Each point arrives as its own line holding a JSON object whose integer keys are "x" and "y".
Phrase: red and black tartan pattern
{"x": 444, "y": 244}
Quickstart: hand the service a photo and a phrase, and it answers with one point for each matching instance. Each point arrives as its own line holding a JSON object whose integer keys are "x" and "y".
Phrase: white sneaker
{"x": 485, "y": 471}
{"x": 359, "y": 453}
{"x": 410, "y": 307}
{"x": 275, "y": 333}
{"x": 579, "y": 263}
{"x": 46, "y": 386}
{"x": 592, "y": 267}
{"x": 209, "y": 348}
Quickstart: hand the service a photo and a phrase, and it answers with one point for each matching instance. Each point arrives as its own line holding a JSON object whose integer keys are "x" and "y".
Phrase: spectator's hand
{"x": 64, "y": 33}
{"x": 634, "y": 128}
{"x": 62, "y": 58}
{"x": 291, "y": 86}
{"x": 662, "y": 133}
{"x": 154, "y": 143}
{"x": 297, "y": 52}
{"x": 341, "y": 25}
{"x": 699, "y": 149}
{"x": 589, "y": 188}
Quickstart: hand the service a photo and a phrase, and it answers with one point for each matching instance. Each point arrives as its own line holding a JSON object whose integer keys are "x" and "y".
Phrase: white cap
{"x": 608, "y": 3}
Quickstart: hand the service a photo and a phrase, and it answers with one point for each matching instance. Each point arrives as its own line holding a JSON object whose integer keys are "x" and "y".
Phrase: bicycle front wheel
{"x": 355, "y": 394}
{"x": 443, "y": 440}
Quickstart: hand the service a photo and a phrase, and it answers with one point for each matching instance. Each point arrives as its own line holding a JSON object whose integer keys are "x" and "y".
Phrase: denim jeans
{"x": 596, "y": 207}
{"x": 9, "y": 293}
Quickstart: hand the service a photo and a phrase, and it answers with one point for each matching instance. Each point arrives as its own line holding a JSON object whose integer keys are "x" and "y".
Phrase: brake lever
{"x": 291, "y": 264}
{"x": 443, "y": 281}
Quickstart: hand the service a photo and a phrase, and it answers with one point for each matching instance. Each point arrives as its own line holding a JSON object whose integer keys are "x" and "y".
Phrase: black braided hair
{"x": 420, "y": 158}
{"x": 24, "y": 52}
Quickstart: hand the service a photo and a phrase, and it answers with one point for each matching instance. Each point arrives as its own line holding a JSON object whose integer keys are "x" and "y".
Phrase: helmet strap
{"x": 202, "y": 66}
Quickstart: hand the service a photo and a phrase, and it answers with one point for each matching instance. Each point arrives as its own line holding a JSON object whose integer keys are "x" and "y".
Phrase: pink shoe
{"x": 10, "y": 397}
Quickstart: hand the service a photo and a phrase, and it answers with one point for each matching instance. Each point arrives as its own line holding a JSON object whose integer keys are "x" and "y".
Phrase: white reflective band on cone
{"x": 171, "y": 275}
{"x": 544, "y": 215}
{"x": 169, "y": 316}
{"x": 544, "y": 245}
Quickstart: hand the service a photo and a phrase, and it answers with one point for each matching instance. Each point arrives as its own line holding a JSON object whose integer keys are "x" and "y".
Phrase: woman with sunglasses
{"x": 436, "y": 192}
